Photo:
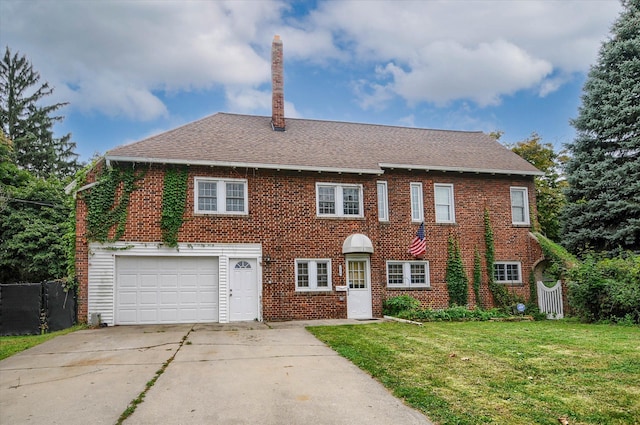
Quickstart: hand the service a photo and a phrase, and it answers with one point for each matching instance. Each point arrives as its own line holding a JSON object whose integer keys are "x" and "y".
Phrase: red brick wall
{"x": 282, "y": 217}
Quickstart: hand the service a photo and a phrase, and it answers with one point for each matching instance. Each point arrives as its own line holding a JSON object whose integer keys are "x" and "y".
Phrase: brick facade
{"x": 282, "y": 217}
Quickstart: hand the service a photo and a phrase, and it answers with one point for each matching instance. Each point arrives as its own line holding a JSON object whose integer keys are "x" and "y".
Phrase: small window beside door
{"x": 313, "y": 274}
{"x": 408, "y": 274}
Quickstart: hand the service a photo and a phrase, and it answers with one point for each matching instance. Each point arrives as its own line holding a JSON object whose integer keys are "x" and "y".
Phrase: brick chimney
{"x": 277, "y": 85}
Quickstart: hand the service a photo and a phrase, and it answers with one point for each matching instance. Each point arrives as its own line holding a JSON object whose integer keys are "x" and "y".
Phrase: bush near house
{"x": 407, "y": 307}
{"x": 606, "y": 289}
{"x": 599, "y": 288}
{"x": 395, "y": 305}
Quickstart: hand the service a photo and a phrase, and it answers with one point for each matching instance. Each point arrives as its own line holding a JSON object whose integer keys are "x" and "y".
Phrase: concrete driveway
{"x": 248, "y": 373}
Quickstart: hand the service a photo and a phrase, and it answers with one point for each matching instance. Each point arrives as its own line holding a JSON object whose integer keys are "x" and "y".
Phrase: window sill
{"x": 210, "y": 214}
{"x": 409, "y": 288}
{"x": 524, "y": 225}
{"x": 313, "y": 291}
{"x": 340, "y": 217}
{"x": 441, "y": 223}
{"x": 510, "y": 283}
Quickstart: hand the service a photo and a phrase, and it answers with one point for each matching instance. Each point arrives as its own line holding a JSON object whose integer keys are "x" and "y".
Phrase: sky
{"x": 129, "y": 69}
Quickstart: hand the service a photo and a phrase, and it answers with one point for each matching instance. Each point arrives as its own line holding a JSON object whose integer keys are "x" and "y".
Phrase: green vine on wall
{"x": 500, "y": 294}
{"x": 108, "y": 201}
{"x": 174, "y": 198}
{"x": 457, "y": 282}
{"x": 477, "y": 277}
{"x": 560, "y": 260}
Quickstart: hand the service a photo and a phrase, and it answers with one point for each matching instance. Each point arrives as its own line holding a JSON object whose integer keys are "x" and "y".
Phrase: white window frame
{"x": 505, "y": 264}
{"x": 406, "y": 274}
{"x": 383, "y": 201}
{"x": 339, "y": 200}
{"x": 451, "y": 205}
{"x": 221, "y": 194}
{"x": 525, "y": 207}
{"x": 312, "y": 264}
{"x": 417, "y": 202}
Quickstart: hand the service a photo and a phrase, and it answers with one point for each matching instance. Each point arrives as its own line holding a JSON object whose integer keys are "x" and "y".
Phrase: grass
{"x": 10, "y": 345}
{"x": 501, "y": 373}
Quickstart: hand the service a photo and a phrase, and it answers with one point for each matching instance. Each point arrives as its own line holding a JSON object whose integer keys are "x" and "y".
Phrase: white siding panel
{"x": 102, "y": 277}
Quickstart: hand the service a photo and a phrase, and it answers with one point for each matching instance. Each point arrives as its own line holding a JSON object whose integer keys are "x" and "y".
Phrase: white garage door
{"x": 166, "y": 290}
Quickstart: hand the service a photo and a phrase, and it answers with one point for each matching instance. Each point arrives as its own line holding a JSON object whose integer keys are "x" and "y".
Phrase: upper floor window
{"x": 383, "y": 202}
{"x": 445, "y": 211}
{"x": 313, "y": 275}
{"x": 519, "y": 205}
{"x": 507, "y": 272}
{"x": 408, "y": 274}
{"x": 417, "y": 206}
{"x": 221, "y": 196}
{"x": 339, "y": 200}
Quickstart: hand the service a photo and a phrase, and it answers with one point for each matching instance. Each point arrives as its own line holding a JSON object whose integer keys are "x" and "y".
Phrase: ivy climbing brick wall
{"x": 282, "y": 217}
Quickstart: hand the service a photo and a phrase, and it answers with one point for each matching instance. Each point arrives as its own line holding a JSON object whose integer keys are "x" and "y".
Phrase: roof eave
{"x": 462, "y": 169}
{"x": 288, "y": 167}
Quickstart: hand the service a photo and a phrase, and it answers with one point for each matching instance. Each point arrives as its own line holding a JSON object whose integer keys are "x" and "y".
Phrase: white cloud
{"x": 251, "y": 101}
{"x": 113, "y": 57}
{"x": 480, "y": 50}
{"x": 448, "y": 71}
{"x": 408, "y": 121}
{"x": 551, "y": 84}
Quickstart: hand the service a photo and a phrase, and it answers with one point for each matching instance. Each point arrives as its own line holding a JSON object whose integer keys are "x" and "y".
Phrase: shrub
{"x": 606, "y": 289}
{"x": 452, "y": 314}
{"x": 456, "y": 277}
{"x": 394, "y": 305}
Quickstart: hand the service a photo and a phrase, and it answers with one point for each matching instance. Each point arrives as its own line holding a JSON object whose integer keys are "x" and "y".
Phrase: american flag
{"x": 419, "y": 243}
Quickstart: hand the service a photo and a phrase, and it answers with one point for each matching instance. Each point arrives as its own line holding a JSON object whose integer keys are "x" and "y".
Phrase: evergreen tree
{"x": 28, "y": 124}
{"x": 550, "y": 199}
{"x": 33, "y": 221}
{"x": 603, "y": 211}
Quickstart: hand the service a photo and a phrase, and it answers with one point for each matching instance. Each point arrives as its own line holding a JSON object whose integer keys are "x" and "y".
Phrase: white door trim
{"x": 249, "y": 309}
{"x": 359, "y": 303}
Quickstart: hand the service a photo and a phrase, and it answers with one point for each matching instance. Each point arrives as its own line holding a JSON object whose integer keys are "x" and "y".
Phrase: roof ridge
{"x": 351, "y": 123}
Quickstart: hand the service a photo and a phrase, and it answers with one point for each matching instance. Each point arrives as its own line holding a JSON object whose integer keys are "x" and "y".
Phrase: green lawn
{"x": 10, "y": 345}
{"x": 502, "y": 372}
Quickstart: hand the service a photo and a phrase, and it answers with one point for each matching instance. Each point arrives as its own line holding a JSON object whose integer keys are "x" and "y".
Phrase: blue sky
{"x": 133, "y": 68}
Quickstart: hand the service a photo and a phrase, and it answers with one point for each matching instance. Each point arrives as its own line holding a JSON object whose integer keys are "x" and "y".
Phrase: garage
{"x": 157, "y": 289}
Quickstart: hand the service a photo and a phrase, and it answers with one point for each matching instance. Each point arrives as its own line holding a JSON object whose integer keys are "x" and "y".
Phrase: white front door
{"x": 359, "y": 288}
{"x": 244, "y": 299}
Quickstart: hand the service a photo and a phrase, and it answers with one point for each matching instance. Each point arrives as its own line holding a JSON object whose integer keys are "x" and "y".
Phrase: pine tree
{"x": 29, "y": 124}
{"x": 603, "y": 211}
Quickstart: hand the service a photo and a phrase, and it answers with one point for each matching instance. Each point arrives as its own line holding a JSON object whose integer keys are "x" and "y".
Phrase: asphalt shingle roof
{"x": 247, "y": 140}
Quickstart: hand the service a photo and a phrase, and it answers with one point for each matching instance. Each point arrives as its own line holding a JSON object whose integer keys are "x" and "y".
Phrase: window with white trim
{"x": 507, "y": 272}
{"x": 313, "y": 274}
{"x": 339, "y": 200}
{"x": 417, "y": 206}
{"x": 520, "y": 205}
{"x": 408, "y": 274}
{"x": 221, "y": 196}
{"x": 445, "y": 211}
{"x": 383, "y": 201}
